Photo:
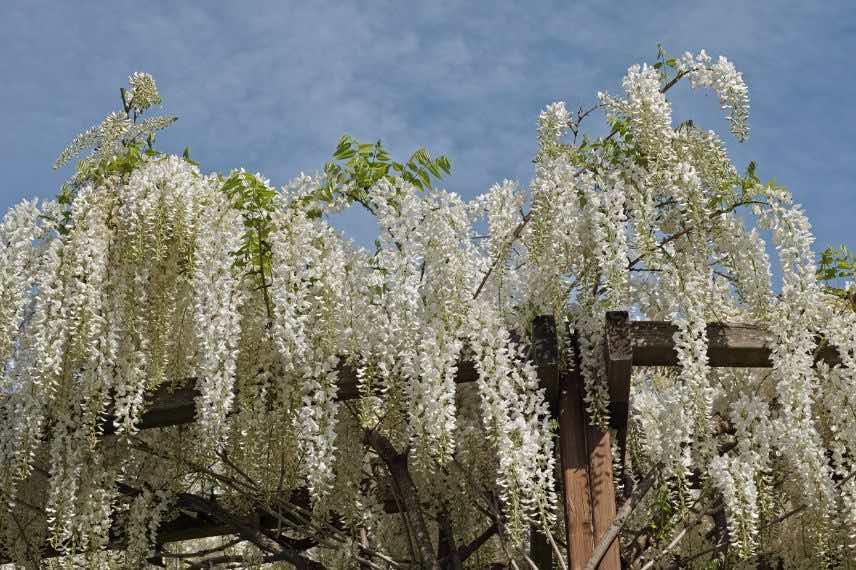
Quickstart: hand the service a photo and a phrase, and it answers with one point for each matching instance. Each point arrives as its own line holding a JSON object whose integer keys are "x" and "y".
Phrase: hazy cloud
{"x": 272, "y": 85}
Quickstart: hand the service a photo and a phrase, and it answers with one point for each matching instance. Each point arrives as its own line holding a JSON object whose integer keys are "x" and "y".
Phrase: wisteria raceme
{"x": 552, "y": 124}
{"x": 106, "y": 138}
{"x": 216, "y": 313}
{"x": 84, "y": 382}
{"x": 798, "y": 312}
{"x": 442, "y": 241}
{"x": 84, "y": 140}
{"x": 148, "y": 127}
{"x": 37, "y": 368}
{"x": 514, "y": 415}
{"x": 17, "y": 231}
{"x": 738, "y": 477}
{"x": 142, "y": 93}
{"x": 614, "y": 252}
{"x": 148, "y": 276}
{"x": 306, "y": 299}
{"x": 735, "y": 477}
{"x": 156, "y": 225}
{"x": 646, "y": 108}
{"x": 748, "y": 264}
{"x": 726, "y": 81}
{"x": 144, "y": 514}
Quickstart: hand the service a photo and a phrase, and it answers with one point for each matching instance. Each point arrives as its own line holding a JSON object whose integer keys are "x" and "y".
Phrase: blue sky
{"x": 271, "y": 86}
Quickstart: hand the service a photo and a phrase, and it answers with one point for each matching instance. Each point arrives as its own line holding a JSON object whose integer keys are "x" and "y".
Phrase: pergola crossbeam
{"x": 586, "y": 452}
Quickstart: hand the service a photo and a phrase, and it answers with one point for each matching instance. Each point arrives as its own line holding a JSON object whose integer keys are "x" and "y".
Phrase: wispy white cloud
{"x": 272, "y": 85}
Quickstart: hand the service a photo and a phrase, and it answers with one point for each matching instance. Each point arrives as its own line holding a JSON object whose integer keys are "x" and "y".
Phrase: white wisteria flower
{"x": 325, "y": 377}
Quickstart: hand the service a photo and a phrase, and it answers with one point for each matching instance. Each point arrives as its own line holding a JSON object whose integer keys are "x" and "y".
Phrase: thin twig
{"x": 688, "y": 229}
{"x": 559, "y": 555}
{"x": 668, "y": 548}
{"x": 516, "y": 234}
{"x": 680, "y": 75}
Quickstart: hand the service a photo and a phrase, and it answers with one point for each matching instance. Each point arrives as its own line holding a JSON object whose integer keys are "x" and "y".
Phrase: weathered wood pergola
{"x": 587, "y": 479}
{"x": 588, "y": 486}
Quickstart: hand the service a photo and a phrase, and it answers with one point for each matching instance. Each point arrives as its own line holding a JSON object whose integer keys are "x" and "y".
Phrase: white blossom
{"x": 726, "y": 81}
{"x": 300, "y": 343}
{"x": 142, "y": 92}
{"x": 216, "y": 313}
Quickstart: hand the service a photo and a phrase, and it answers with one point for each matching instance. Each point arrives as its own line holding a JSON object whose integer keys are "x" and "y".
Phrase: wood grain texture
{"x": 602, "y": 484}
{"x": 573, "y": 448}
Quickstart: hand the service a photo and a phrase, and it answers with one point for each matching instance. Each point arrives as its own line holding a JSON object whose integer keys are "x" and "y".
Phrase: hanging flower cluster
{"x": 304, "y": 350}
{"x": 726, "y": 81}
{"x": 142, "y": 92}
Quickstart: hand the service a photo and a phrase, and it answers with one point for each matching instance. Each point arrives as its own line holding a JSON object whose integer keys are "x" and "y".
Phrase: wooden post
{"x": 545, "y": 355}
{"x": 575, "y": 477}
{"x": 618, "y": 357}
{"x": 618, "y": 354}
{"x": 602, "y": 492}
{"x": 590, "y": 502}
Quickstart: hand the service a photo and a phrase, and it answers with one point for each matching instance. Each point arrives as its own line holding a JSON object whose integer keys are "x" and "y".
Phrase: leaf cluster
{"x": 121, "y": 165}
{"x": 255, "y": 199}
{"x": 356, "y": 167}
{"x": 665, "y": 59}
{"x": 838, "y": 263}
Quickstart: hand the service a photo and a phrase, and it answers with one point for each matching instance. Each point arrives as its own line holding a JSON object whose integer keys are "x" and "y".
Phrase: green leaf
{"x": 433, "y": 169}
{"x": 424, "y": 177}
{"x": 361, "y": 165}
{"x": 444, "y": 164}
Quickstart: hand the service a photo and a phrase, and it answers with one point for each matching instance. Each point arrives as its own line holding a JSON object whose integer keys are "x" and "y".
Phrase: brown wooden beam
{"x": 618, "y": 358}
{"x": 169, "y": 405}
{"x": 176, "y": 405}
{"x": 652, "y": 344}
{"x": 729, "y": 345}
{"x": 618, "y": 354}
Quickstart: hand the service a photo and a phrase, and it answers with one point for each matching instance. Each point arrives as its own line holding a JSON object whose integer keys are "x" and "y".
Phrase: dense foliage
{"x": 147, "y": 273}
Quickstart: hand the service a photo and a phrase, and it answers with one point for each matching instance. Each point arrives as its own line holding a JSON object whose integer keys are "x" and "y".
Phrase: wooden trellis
{"x": 588, "y": 488}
